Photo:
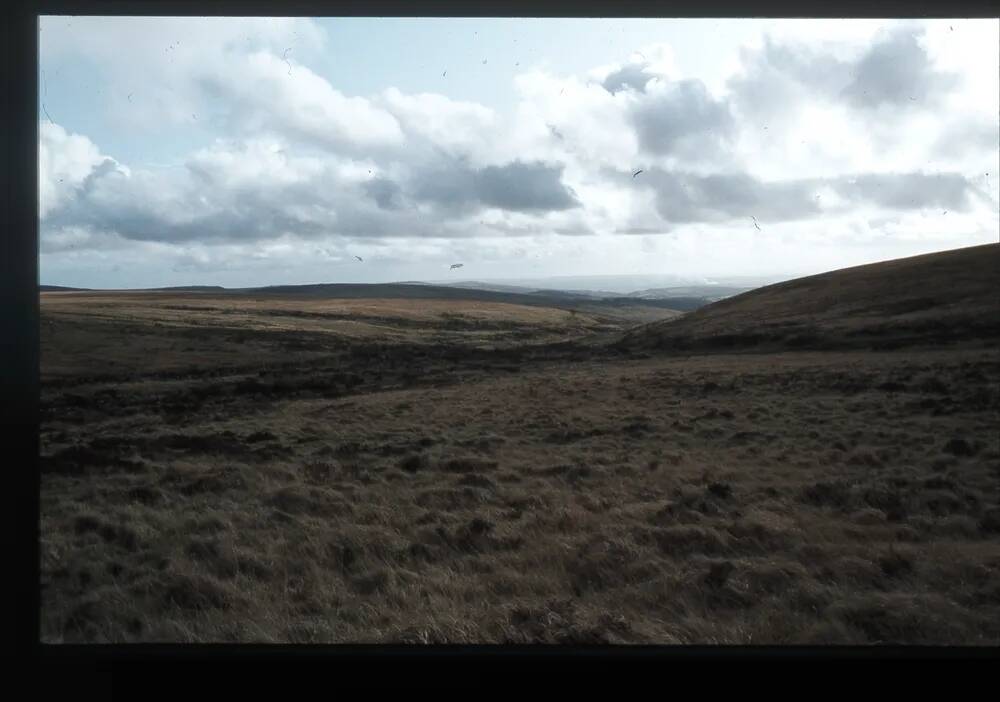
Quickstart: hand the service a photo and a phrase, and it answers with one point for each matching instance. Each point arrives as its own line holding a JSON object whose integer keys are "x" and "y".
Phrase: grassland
{"x": 291, "y": 470}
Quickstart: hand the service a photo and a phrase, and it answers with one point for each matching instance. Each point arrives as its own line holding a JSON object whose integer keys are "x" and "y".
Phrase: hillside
{"x": 934, "y": 299}
{"x": 417, "y": 291}
{"x": 647, "y": 308}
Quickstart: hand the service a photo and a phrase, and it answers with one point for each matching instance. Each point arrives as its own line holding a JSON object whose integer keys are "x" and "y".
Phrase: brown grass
{"x": 260, "y": 485}
{"x": 931, "y": 300}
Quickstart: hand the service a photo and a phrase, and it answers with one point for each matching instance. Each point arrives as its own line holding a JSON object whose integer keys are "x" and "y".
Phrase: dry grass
{"x": 254, "y": 484}
{"x": 937, "y": 299}
{"x": 399, "y": 320}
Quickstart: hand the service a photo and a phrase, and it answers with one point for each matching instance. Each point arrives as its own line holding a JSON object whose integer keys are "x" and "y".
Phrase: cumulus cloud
{"x": 454, "y": 127}
{"x": 685, "y": 197}
{"x": 65, "y": 161}
{"x": 896, "y": 71}
{"x": 524, "y": 186}
{"x": 968, "y": 137}
{"x": 837, "y": 139}
{"x": 269, "y": 96}
{"x": 571, "y": 120}
{"x": 230, "y": 191}
{"x": 682, "y": 119}
{"x": 909, "y": 191}
{"x": 631, "y": 76}
{"x": 654, "y": 61}
{"x": 516, "y": 186}
{"x": 250, "y": 191}
{"x": 385, "y": 193}
{"x": 777, "y": 77}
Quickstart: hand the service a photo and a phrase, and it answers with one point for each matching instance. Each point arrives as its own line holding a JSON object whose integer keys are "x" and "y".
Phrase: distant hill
{"x": 189, "y": 288}
{"x": 608, "y": 285}
{"x": 576, "y": 299}
{"x": 526, "y": 289}
{"x": 600, "y": 285}
{"x": 546, "y": 298}
{"x": 940, "y": 298}
{"x": 708, "y": 292}
{"x": 704, "y": 293}
{"x": 495, "y": 287}
{"x": 178, "y": 288}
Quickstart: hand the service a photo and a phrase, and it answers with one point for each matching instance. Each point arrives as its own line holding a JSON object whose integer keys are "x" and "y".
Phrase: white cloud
{"x": 264, "y": 95}
{"x": 64, "y": 162}
{"x": 456, "y": 127}
{"x": 592, "y": 124}
{"x": 298, "y": 166}
{"x": 230, "y": 164}
{"x": 152, "y": 65}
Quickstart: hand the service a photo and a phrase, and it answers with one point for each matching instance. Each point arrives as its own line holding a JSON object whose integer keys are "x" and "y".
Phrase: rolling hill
{"x": 934, "y": 299}
{"x": 543, "y": 298}
{"x": 424, "y": 291}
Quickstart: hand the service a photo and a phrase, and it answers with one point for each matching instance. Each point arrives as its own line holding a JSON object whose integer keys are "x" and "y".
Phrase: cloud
{"x": 631, "y": 76}
{"x": 385, "y": 193}
{"x": 908, "y": 191}
{"x": 158, "y": 71}
{"x": 572, "y": 121}
{"x": 453, "y": 127}
{"x": 815, "y": 141}
{"x": 776, "y": 77}
{"x": 653, "y": 61}
{"x": 974, "y": 137}
{"x": 262, "y": 94}
{"x": 232, "y": 191}
{"x": 895, "y": 72}
{"x": 685, "y": 197}
{"x": 640, "y": 230}
{"x": 65, "y": 161}
{"x": 254, "y": 191}
{"x": 516, "y": 186}
{"x": 682, "y": 119}
{"x": 523, "y": 187}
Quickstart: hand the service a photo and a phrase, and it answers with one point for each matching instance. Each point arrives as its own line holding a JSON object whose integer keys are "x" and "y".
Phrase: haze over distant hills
{"x": 709, "y": 293}
{"x": 591, "y": 286}
{"x": 630, "y": 285}
{"x": 561, "y": 291}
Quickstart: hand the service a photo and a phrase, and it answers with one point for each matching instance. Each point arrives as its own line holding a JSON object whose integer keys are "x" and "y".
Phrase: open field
{"x": 314, "y": 470}
{"x": 108, "y": 318}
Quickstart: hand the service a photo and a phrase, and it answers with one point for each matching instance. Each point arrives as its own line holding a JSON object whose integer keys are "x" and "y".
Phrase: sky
{"x": 258, "y": 151}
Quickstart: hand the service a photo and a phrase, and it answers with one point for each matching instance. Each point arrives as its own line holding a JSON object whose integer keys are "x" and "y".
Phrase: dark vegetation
{"x": 937, "y": 300}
